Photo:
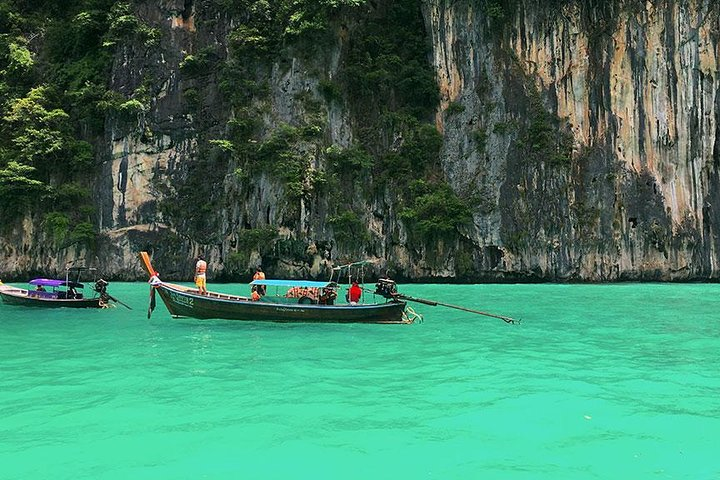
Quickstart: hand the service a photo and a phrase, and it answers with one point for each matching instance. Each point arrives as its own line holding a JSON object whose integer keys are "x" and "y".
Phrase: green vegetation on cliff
{"x": 384, "y": 78}
{"x": 53, "y": 72}
{"x": 392, "y": 91}
{"x": 55, "y": 68}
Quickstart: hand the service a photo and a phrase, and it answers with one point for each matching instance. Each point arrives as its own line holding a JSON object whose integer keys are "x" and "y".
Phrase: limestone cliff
{"x": 637, "y": 89}
{"x": 583, "y": 136}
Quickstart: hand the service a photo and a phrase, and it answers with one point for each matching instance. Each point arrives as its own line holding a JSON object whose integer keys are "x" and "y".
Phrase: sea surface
{"x": 616, "y": 381}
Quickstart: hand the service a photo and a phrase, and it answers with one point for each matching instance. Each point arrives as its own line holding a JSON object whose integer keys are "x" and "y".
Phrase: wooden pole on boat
{"x": 435, "y": 303}
{"x": 456, "y": 307}
{"x": 118, "y": 301}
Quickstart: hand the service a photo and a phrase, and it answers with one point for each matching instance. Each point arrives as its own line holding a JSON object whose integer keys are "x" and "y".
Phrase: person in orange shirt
{"x": 259, "y": 275}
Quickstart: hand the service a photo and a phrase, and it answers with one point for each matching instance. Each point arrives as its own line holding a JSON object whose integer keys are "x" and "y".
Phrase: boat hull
{"x": 184, "y": 303}
{"x": 12, "y": 298}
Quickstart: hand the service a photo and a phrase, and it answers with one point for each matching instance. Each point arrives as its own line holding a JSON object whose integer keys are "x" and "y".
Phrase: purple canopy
{"x": 46, "y": 282}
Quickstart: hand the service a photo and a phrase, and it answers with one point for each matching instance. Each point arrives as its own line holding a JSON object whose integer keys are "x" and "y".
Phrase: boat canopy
{"x": 293, "y": 283}
{"x": 47, "y": 282}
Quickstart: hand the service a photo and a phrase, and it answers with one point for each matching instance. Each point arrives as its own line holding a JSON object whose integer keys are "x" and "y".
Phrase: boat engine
{"x": 386, "y": 287}
{"x": 101, "y": 288}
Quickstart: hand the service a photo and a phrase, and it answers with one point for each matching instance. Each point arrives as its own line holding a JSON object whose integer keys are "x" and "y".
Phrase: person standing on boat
{"x": 200, "y": 275}
{"x": 259, "y": 275}
{"x": 354, "y": 293}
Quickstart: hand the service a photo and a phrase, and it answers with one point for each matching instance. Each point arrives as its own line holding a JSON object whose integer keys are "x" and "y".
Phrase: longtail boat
{"x": 55, "y": 293}
{"x": 302, "y": 302}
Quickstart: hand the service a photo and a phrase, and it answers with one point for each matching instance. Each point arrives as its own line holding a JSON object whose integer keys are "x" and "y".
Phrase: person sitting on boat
{"x": 40, "y": 288}
{"x": 200, "y": 278}
{"x": 255, "y": 294}
{"x": 71, "y": 293}
{"x": 259, "y": 275}
{"x": 327, "y": 297}
{"x": 354, "y": 293}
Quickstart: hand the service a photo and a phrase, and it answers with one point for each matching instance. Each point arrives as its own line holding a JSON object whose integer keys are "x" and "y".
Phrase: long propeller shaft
{"x": 457, "y": 307}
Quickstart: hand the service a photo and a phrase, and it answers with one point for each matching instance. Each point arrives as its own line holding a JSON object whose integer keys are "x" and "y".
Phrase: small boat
{"x": 54, "y": 293}
{"x": 302, "y": 302}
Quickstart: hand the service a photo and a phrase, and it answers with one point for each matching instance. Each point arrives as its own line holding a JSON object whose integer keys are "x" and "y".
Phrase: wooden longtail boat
{"x": 55, "y": 293}
{"x": 182, "y": 301}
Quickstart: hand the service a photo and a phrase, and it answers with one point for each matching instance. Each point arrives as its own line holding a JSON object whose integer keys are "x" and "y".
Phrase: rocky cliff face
{"x": 584, "y": 135}
{"x": 637, "y": 89}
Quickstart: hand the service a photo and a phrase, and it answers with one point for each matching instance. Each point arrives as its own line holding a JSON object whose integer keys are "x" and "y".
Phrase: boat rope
{"x": 106, "y": 304}
{"x": 411, "y": 316}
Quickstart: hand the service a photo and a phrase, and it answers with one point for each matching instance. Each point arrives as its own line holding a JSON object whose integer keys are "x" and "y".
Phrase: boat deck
{"x": 194, "y": 291}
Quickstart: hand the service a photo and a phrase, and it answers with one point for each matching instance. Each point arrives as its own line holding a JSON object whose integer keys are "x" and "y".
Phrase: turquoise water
{"x": 598, "y": 382}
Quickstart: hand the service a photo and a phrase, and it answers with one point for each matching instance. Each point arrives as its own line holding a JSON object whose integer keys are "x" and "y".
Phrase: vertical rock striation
{"x": 636, "y": 88}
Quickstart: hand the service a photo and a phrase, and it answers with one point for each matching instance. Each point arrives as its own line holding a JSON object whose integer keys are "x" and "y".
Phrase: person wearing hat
{"x": 354, "y": 293}
{"x": 200, "y": 278}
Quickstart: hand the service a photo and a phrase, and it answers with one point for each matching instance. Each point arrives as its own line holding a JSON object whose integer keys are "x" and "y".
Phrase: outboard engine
{"x": 386, "y": 287}
{"x": 101, "y": 288}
